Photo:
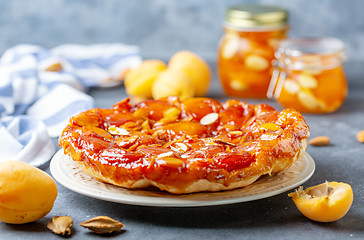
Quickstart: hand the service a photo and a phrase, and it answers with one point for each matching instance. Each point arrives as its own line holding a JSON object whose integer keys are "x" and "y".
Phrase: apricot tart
{"x": 194, "y": 145}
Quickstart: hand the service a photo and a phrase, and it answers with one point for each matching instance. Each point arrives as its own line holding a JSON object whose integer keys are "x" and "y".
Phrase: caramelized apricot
{"x": 197, "y": 108}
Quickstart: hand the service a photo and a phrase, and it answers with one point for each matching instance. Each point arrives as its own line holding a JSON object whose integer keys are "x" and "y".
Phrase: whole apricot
{"x": 139, "y": 81}
{"x": 326, "y": 202}
{"x": 26, "y": 192}
{"x": 195, "y": 68}
{"x": 173, "y": 82}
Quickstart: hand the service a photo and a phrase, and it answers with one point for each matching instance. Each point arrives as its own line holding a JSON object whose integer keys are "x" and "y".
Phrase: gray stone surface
{"x": 271, "y": 218}
{"x": 162, "y": 27}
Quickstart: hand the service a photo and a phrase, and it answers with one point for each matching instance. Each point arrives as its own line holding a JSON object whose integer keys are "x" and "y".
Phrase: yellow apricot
{"x": 195, "y": 68}
{"x": 26, "y": 192}
{"x": 139, "y": 81}
{"x": 173, "y": 82}
{"x": 326, "y": 202}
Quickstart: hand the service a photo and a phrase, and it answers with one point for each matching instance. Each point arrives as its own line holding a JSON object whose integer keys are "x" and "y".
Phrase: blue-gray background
{"x": 162, "y": 27}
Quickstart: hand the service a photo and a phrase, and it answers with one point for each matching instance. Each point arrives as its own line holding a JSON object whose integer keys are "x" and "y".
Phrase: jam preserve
{"x": 309, "y": 75}
{"x": 245, "y": 53}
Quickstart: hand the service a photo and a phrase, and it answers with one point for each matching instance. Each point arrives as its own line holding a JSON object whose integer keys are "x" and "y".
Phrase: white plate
{"x": 67, "y": 173}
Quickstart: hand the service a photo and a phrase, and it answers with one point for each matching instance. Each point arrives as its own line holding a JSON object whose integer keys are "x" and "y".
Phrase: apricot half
{"x": 26, "y": 192}
{"x": 327, "y": 202}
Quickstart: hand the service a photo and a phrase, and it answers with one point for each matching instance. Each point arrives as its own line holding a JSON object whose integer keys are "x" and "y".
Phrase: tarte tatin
{"x": 194, "y": 145}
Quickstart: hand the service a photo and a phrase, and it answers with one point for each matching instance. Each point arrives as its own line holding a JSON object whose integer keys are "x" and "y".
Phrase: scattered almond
{"x": 61, "y": 225}
{"x": 102, "y": 224}
{"x": 360, "y": 136}
{"x": 320, "y": 141}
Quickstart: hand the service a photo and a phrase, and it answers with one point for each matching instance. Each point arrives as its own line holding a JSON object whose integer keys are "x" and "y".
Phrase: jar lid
{"x": 247, "y": 16}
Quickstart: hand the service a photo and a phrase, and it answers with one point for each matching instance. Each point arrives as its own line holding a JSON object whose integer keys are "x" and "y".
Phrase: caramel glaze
{"x": 165, "y": 143}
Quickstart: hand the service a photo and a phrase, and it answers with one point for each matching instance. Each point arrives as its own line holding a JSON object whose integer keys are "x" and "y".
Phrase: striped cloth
{"x": 40, "y": 89}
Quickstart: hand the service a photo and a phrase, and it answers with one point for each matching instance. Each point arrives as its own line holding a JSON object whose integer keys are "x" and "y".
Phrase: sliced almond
{"x": 320, "y": 141}
{"x": 225, "y": 143}
{"x": 360, "y": 136}
{"x": 209, "y": 119}
{"x": 179, "y": 147}
{"x": 166, "y": 154}
{"x": 256, "y": 63}
{"x": 102, "y": 224}
{"x": 61, "y": 225}
{"x": 117, "y": 131}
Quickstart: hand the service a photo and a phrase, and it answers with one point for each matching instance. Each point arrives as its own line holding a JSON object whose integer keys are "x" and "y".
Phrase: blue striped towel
{"x": 40, "y": 89}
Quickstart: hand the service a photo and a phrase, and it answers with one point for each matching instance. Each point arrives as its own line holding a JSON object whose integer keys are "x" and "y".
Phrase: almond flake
{"x": 117, "y": 131}
{"x": 225, "y": 143}
{"x": 209, "y": 119}
{"x": 166, "y": 154}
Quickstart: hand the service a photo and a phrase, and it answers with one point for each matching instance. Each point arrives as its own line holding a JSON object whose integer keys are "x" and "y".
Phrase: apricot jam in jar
{"x": 309, "y": 75}
{"x": 252, "y": 34}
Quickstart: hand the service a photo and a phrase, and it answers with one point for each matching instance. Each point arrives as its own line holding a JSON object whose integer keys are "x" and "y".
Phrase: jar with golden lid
{"x": 309, "y": 75}
{"x": 252, "y": 33}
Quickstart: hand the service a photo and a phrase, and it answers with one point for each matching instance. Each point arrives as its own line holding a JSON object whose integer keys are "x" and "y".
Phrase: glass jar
{"x": 309, "y": 75}
{"x": 252, "y": 33}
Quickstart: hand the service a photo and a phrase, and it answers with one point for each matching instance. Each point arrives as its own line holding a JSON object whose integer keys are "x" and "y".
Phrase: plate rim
{"x": 304, "y": 176}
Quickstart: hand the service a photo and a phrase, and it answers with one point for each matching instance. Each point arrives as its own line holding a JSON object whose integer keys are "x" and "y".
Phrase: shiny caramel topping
{"x": 159, "y": 139}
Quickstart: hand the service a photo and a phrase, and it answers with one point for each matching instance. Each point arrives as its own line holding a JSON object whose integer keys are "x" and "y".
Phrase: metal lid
{"x": 248, "y": 16}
